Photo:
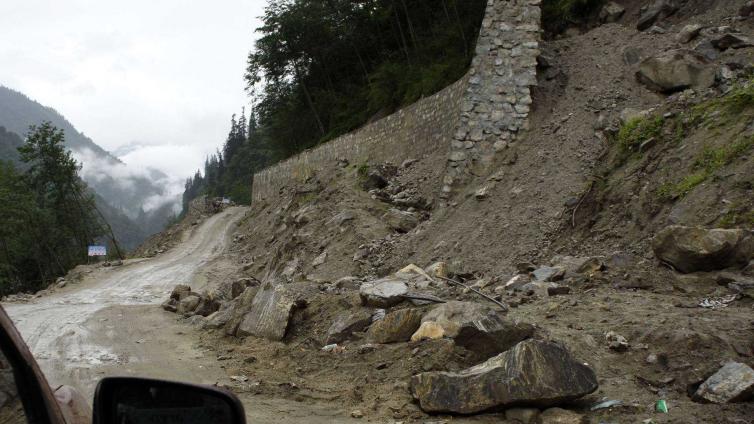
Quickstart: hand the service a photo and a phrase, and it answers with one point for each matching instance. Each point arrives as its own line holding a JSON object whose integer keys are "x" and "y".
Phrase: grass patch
{"x": 635, "y": 132}
{"x": 709, "y": 161}
{"x": 362, "y": 170}
{"x": 719, "y": 112}
{"x": 735, "y": 219}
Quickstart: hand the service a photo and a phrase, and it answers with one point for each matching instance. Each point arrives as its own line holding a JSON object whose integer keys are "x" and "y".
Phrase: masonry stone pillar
{"x": 496, "y": 104}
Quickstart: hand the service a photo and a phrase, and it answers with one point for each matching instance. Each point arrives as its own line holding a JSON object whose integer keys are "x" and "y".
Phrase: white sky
{"x": 153, "y": 81}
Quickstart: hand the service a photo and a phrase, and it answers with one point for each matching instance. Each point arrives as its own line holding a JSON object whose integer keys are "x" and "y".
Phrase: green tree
{"x": 48, "y": 213}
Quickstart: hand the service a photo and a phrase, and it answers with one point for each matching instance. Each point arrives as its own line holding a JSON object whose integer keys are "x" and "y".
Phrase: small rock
{"x": 688, "y": 33}
{"x": 548, "y": 273}
{"x": 734, "y": 382}
{"x": 180, "y": 291}
{"x": 341, "y": 218}
{"x": 428, "y": 330}
{"x": 346, "y": 324}
{"x": 397, "y": 326}
{"x": 408, "y": 162}
{"x": 319, "y": 260}
{"x": 188, "y": 304}
{"x": 522, "y": 415}
{"x": 558, "y": 290}
{"x": 611, "y": 12}
{"x": 61, "y": 283}
{"x": 560, "y": 416}
{"x": 357, "y": 414}
{"x": 655, "y": 11}
{"x": 482, "y": 193}
{"x": 616, "y": 342}
{"x": 730, "y": 40}
{"x": 366, "y": 348}
{"x": 400, "y": 221}
{"x": 437, "y": 269}
{"x": 516, "y": 282}
{"x": 383, "y": 293}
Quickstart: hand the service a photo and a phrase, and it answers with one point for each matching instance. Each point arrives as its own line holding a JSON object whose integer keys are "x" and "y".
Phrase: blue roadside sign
{"x": 97, "y": 251}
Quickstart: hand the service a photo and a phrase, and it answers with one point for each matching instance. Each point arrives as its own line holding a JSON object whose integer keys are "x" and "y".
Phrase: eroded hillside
{"x": 631, "y": 131}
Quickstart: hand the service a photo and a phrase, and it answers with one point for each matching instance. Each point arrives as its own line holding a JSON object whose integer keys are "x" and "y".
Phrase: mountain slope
{"x": 134, "y": 198}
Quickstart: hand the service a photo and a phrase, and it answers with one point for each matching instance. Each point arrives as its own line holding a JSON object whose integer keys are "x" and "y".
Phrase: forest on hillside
{"x": 320, "y": 69}
{"x": 48, "y": 213}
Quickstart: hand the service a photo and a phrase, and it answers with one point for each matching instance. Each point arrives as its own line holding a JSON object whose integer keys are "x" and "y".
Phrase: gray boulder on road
{"x": 534, "y": 372}
{"x": 270, "y": 313}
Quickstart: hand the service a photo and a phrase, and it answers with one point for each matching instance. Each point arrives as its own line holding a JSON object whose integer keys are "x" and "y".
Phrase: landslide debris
{"x": 614, "y": 231}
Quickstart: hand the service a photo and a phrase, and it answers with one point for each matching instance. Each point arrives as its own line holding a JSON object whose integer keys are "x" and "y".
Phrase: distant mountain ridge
{"x": 133, "y": 198}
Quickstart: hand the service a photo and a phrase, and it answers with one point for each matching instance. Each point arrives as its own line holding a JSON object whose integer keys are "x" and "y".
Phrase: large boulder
{"x": 691, "y": 249}
{"x": 383, "y": 293}
{"x": 734, "y": 382}
{"x": 232, "y": 313}
{"x": 656, "y": 11}
{"x": 346, "y": 324}
{"x": 676, "y": 70}
{"x": 475, "y": 326}
{"x": 397, "y": 326}
{"x": 534, "y": 372}
{"x": 270, "y": 313}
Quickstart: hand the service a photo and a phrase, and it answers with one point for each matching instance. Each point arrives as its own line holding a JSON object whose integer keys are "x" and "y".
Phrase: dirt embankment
{"x": 607, "y": 163}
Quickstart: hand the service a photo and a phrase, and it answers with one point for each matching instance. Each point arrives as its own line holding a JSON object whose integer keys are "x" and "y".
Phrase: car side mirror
{"x": 128, "y": 400}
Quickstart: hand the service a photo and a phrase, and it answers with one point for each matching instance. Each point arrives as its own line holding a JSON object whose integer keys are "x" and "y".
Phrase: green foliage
{"x": 635, "y": 132}
{"x": 559, "y": 14}
{"x": 321, "y": 69}
{"x": 362, "y": 170}
{"x": 722, "y": 110}
{"x": 709, "y": 161}
{"x": 737, "y": 218}
{"x": 47, "y": 212}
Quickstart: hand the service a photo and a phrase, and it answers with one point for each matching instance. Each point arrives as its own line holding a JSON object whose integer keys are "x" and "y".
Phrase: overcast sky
{"x": 153, "y": 81}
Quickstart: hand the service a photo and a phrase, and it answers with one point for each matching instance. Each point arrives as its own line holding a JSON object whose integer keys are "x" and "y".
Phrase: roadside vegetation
{"x": 48, "y": 214}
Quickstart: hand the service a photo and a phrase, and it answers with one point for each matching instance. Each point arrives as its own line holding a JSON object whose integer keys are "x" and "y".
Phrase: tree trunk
{"x": 311, "y": 104}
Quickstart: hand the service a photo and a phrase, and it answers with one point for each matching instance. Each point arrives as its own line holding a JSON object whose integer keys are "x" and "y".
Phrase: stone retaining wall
{"x": 472, "y": 119}
{"x": 418, "y": 129}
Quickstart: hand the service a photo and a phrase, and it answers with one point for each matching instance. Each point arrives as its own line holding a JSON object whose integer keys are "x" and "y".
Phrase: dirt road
{"x": 110, "y": 324}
